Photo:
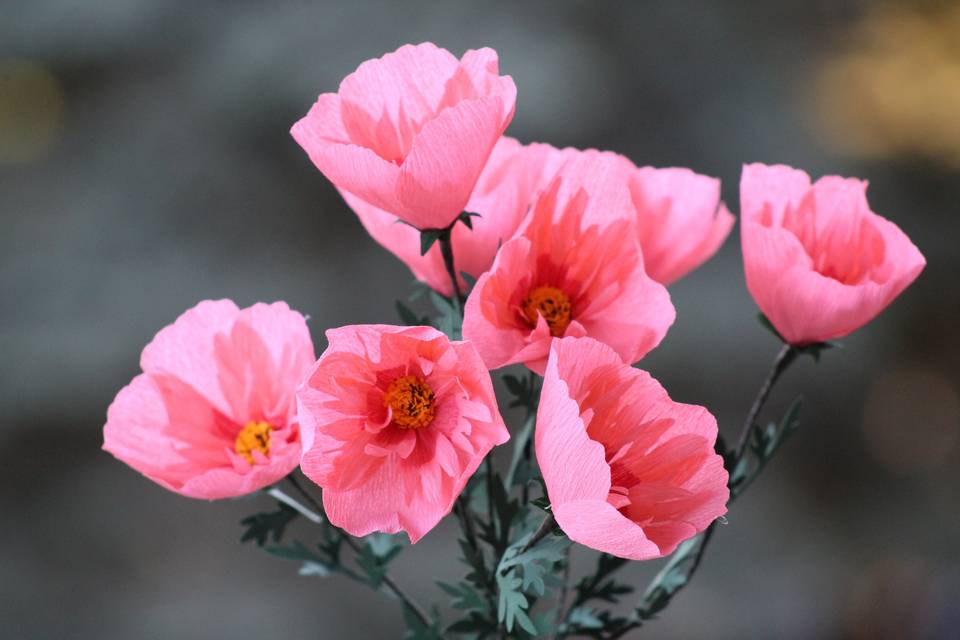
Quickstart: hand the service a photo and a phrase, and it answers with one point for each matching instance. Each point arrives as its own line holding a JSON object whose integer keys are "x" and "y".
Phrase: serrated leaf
{"x": 268, "y": 524}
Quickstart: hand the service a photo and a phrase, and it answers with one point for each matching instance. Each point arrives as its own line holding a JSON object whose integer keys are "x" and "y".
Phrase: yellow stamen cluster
{"x": 412, "y": 401}
{"x": 255, "y": 436}
{"x": 551, "y": 303}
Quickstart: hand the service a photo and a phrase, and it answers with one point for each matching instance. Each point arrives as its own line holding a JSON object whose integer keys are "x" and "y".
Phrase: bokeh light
{"x": 911, "y": 420}
{"x": 31, "y": 111}
{"x": 896, "y": 87}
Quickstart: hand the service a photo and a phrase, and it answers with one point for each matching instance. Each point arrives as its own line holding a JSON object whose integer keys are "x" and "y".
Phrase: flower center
{"x": 551, "y": 303}
{"x": 412, "y": 402}
{"x": 255, "y": 436}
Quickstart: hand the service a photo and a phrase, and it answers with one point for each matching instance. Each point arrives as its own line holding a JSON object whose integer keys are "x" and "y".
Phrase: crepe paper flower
{"x": 410, "y": 132}
{"x": 559, "y": 277}
{"x": 213, "y": 415}
{"x": 395, "y": 421}
{"x": 502, "y": 199}
{"x": 680, "y": 220}
{"x": 628, "y": 471}
{"x": 818, "y": 262}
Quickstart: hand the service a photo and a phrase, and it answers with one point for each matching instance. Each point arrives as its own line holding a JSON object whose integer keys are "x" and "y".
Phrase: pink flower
{"x": 502, "y": 198}
{"x": 680, "y": 221}
{"x": 213, "y": 413}
{"x": 395, "y": 421}
{"x": 560, "y": 277}
{"x": 410, "y": 132}
{"x": 819, "y": 263}
{"x": 628, "y": 471}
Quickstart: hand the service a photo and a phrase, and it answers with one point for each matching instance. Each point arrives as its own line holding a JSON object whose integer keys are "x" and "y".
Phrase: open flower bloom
{"x": 680, "y": 220}
{"x": 559, "y": 277}
{"x": 411, "y": 131}
{"x": 395, "y": 421}
{"x": 819, "y": 263}
{"x": 213, "y": 415}
{"x": 628, "y": 471}
{"x": 502, "y": 198}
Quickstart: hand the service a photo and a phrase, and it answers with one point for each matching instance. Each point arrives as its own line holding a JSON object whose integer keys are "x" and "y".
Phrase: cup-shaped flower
{"x": 680, "y": 220}
{"x": 818, "y": 262}
{"x": 502, "y": 199}
{"x": 411, "y": 131}
{"x": 213, "y": 415}
{"x": 560, "y": 277}
{"x": 395, "y": 421}
{"x": 628, "y": 471}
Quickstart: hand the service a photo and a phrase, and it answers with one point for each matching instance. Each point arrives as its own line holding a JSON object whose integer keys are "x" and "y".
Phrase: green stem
{"x": 355, "y": 546}
{"x": 446, "y": 250}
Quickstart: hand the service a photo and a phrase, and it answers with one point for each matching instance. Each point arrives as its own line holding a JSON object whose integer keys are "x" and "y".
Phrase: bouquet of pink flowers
{"x": 554, "y": 259}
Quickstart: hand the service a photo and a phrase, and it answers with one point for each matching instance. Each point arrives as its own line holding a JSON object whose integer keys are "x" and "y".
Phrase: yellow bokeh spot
{"x": 31, "y": 111}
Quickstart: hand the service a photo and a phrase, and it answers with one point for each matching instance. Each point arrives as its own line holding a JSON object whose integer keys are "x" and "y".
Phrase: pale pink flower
{"x": 395, "y": 421}
{"x": 680, "y": 219}
{"x": 411, "y": 131}
{"x": 628, "y": 471}
{"x": 502, "y": 197}
{"x": 562, "y": 277}
{"x": 213, "y": 415}
{"x": 819, "y": 263}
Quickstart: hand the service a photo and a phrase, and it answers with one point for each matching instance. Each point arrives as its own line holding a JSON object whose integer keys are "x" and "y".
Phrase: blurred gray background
{"x": 145, "y": 164}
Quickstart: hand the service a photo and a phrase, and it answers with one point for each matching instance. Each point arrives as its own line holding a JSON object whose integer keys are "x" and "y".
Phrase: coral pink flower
{"x": 502, "y": 198}
{"x": 395, "y": 421}
{"x": 213, "y": 415}
{"x": 818, "y": 262}
{"x": 559, "y": 277}
{"x": 680, "y": 220}
{"x": 628, "y": 471}
{"x": 411, "y": 131}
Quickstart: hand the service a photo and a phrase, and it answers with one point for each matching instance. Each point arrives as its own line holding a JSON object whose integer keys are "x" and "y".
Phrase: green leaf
{"x": 268, "y": 524}
{"x": 427, "y": 238}
{"x": 417, "y": 630}
{"x": 520, "y": 441}
{"x": 408, "y": 317}
{"x": 671, "y": 579}
{"x": 512, "y": 605}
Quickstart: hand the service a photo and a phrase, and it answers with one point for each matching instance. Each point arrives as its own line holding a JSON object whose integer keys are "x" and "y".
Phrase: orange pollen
{"x": 412, "y": 402}
{"x": 551, "y": 303}
{"x": 255, "y": 436}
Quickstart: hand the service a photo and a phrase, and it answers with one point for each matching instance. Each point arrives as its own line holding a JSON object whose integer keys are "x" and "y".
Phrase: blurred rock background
{"x": 145, "y": 165}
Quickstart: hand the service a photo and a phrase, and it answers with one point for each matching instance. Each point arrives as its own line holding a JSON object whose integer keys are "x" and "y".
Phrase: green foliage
{"x": 409, "y": 317}
{"x": 375, "y": 556}
{"x": 525, "y": 391}
{"x": 449, "y": 319}
{"x": 418, "y": 630}
{"x": 671, "y": 579}
{"x": 523, "y": 576}
{"x": 268, "y": 524}
{"x": 764, "y": 444}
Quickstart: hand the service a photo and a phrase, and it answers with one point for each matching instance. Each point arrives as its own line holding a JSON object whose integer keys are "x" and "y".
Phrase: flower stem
{"x": 446, "y": 250}
{"x": 415, "y": 608}
{"x": 785, "y": 357}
